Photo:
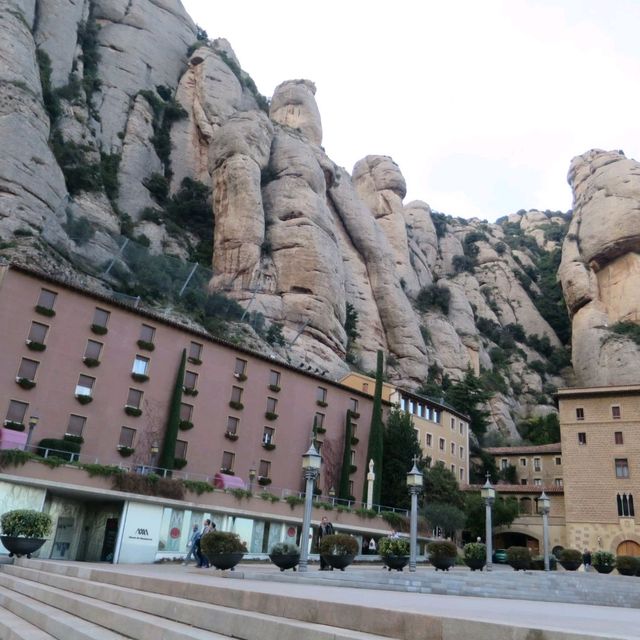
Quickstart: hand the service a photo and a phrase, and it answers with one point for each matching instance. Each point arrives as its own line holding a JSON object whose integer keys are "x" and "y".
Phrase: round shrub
{"x": 570, "y": 559}
{"x": 393, "y": 546}
{"x": 627, "y": 565}
{"x": 519, "y": 558}
{"x": 25, "y": 523}
{"x": 604, "y": 562}
{"x": 284, "y": 549}
{"x": 443, "y": 549}
{"x": 216, "y": 542}
{"x": 339, "y": 544}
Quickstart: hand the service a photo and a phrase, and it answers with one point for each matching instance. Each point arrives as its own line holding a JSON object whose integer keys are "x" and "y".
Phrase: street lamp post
{"x": 544, "y": 504}
{"x": 414, "y": 482}
{"x": 311, "y": 462}
{"x": 33, "y": 423}
{"x": 488, "y": 494}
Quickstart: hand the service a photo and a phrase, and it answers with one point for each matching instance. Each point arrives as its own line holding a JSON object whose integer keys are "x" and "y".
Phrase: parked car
{"x": 500, "y": 556}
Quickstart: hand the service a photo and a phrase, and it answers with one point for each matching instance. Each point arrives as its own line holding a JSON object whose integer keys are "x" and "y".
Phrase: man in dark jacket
{"x": 325, "y": 529}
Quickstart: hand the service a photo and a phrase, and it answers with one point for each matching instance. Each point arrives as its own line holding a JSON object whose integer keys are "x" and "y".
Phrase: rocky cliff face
{"x": 112, "y": 110}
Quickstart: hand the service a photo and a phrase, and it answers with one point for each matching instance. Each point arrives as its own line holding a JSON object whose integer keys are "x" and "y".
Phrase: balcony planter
{"x": 274, "y": 387}
{"x": 238, "y": 406}
{"x": 99, "y": 329}
{"x": 14, "y": 425}
{"x": 240, "y": 376}
{"x": 91, "y": 362}
{"x": 83, "y": 398}
{"x": 45, "y": 311}
{"x": 264, "y": 481}
{"x": 25, "y": 383}
{"x": 354, "y": 441}
{"x": 70, "y": 437}
{"x": 193, "y": 360}
{"x": 35, "y": 346}
{"x": 442, "y": 555}
{"x": 320, "y": 430}
{"x": 24, "y": 531}
{"x": 228, "y": 472}
{"x": 147, "y": 346}
{"x": 352, "y": 468}
{"x": 354, "y": 414}
{"x": 125, "y": 452}
{"x": 285, "y": 555}
{"x": 231, "y": 436}
{"x": 269, "y": 446}
{"x": 189, "y": 391}
{"x": 132, "y": 411}
{"x": 179, "y": 463}
{"x": 271, "y": 416}
{"x": 223, "y": 549}
{"x": 140, "y": 377}
{"x": 338, "y": 550}
{"x": 322, "y": 403}
{"x": 185, "y": 425}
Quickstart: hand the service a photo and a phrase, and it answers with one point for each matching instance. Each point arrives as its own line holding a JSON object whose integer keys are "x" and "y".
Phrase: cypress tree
{"x": 343, "y": 487}
{"x": 168, "y": 455}
{"x": 376, "y": 435}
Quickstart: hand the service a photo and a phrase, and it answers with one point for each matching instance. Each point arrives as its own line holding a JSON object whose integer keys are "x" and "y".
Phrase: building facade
{"x": 537, "y": 465}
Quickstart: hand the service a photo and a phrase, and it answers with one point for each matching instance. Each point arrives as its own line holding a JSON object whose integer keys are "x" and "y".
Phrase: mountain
{"x": 140, "y": 158}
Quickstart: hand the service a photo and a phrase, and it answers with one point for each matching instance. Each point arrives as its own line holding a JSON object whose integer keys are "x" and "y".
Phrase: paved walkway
{"x": 606, "y": 622}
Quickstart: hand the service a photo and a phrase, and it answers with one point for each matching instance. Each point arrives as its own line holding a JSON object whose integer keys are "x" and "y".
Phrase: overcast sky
{"x": 482, "y": 103}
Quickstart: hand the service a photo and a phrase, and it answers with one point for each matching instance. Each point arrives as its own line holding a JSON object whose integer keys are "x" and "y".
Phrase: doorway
{"x": 628, "y": 548}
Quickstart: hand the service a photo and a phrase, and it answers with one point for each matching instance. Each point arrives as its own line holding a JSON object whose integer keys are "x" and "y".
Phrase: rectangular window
{"x": 461, "y": 474}
{"x": 453, "y": 469}
{"x": 321, "y": 395}
{"x": 353, "y": 405}
{"x": 582, "y": 437}
{"x": 85, "y": 385}
{"x": 429, "y": 440}
{"x": 190, "y": 380}
{"x": 228, "y": 460}
{"x": 453, "y": 448}
{"x": 76, "y": 424}
{"x": 274, "y": 378}
{"x": 351, "y": 489}
{"x": 462, "y": 453}
{"x": 92, "y": 350}
{"x": 186, "y": 411}
{"x": 622, "y": 468}
{"x": 403, "y": 404}
{"x": 428, "y": 413}
{"x": 558, "y": 460}
{"x": 147, "y": 333}
{"x": 419, "y": 409}
{"x": 318, "y": 420}
{"x": 427, "y": 463}
{"x": 537, "y": 482}
{"x": 28, "y": 369}
{"x": 38, "y": 332}
{"x": 558, "y": 482}
{"x": 134, "y": 398}
{"x": 504, "y": 463}
{"x": 141, "y": 365}
{"x": 523, "y": 462}
{"x": 417, "y": 432}
{"x": 127, "y": 437}
{"x": 272, "y": 405}
{"x": 181, "y": 449}
{"x": 579, "y": 413}
{"x": 240, "y": 368}
{"x": 267, "y": 435}
{"x": 618, "y": 437}
{"x": 462, "y": 428}
{"x": 441, "y": 444}
{"x": 236, "y": 394}
{"x": 523, "y": 481}
{"x": 232, "y": 425}
{"x": 264, "y": 469}
{"x": 453, "y": 424}
{"x": 352, "y": 457}
{"x": 195, "y": 351}
{"x": 615, "y": 412}
{"x": 100, "y": 318}
{"x": 365, "y": 387}
{"x": 436, "y": 416}
{"x": 537, "y": 465}
{"x": 47, "y": 299}
{"x": 17, "y": 411}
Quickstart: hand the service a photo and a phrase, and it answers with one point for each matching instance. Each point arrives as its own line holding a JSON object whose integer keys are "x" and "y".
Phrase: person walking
{"x": 586, "y": 559}
{"x": 203, "y": 561}
{"x": 325, "y": 529}
{"x": 195, "y": 534}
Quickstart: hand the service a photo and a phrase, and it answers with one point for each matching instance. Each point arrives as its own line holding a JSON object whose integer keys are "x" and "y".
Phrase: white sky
{"x": 482, "y": 103}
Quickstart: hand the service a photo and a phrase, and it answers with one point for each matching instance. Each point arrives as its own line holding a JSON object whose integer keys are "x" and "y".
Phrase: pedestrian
{"x": 325, "y": 529}
{"x": 203, "y": 561}
{"x": 192, "y": 545}
{"x": 586, "y": 559}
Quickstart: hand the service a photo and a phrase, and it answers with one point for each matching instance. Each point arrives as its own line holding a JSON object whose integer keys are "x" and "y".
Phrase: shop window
{"x": 27, "y": 369}
{"x": 228, "y": 461}
{"x": 17, "y": 411}
{"x": 37, "y": 333}
{"x": 615, "y": 412}
{"x": 75, "y": 426}
{"x": 127, "y": 437}
{"x": 85, "y": 385}
{"x": 622, "y": 468}
{"x": 579, "y": 413}
{"x": 134, "y": 398}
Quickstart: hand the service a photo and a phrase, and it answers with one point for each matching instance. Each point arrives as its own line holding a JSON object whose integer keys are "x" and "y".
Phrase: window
{"x": 147, "y": 333}
{"x": 228, "y": 460}
{"x": 615, "y": 412}
{"x": 436, "y": 415}
{"x": 274, "y": 378}
{"x": 351, "y": 489}
{"x": 429, "y": 440}
{"x": 92, "y": 350}
{"x": 134, "y": 398}
{"x": 417, "y": 432}
{"x": 272, "y": 405}
{"x": 186, "y": 411}
{"x": 236, "y": 395}
{"x": 181, "y": 449}
{"x": 47, "y": 299}
{"x": 558, "y": 461}
{"x": 429, "y": 413}
{"x": 537, "y": 465}
{"x": 127, "y": 437}
{"x": 579, "y": 413}
{"x": 16, "y": 411}
{"x": 403, "y": 404}
{"x": 318, "y": 421}
{"x": 352, "y": 457}
{"x": 453, "y": 469}
{"x": 462, "y": 453}
{"x": 141, "y": 365}
{"x": 453, "y": 424}
{"x": 558, "y": 482}
{"x": 622, "y": 468}
{"x": 365, "y": 387}
{"x": 321, "y": 395}
{"x": 441, "y": 444}
{"x": 85, "y": 385}
{"x": 411, "y": 407}
{"x": 537, "y": 482}
{"x": 419, "y": 409}
{"x": 523, "y": 462}
{"x": 353, "y": 405}
{"x": 264, "y": 468}
{"x": 195, "y": 352}
{"x": 461, "y": 474}
{"x": 582, "y": 437}
{"x": 267, "y": 435}
{"x": 240, "y": 368}
{"x": 625, "y": 505}
{"x": 100, "y": 318}
{"x": 462, "y": 428}
{"x": 190, "y": 380}
{"x": 427, "y": 463}
{"x": 504, "y": 463}
{"x": 37, "y": 333}
{"x": 75, "y": 425}
{"x": 28, "y": 369}
{"x": 232, "y": 425}
{"x": 453, "y": 448}
{"x": 523, "y": 481}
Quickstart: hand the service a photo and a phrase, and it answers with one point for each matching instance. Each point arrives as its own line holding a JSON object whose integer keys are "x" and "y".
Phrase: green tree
{"x": 343, "y": 487}
{"x": 441, "y": 486}
{"x": 400, "y": 447}
{"x": 375, "y": 447}
{"x": 445, "y": 516}
{"x": 505, "y": 511}
{"x": 468, "y": 396}
{"x": 168, "y": 454}
{"x": 542, "y": 430}
{"x": 478, "y": 470}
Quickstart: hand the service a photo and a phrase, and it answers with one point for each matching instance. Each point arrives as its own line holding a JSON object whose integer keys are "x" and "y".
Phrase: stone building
{"x": 537, "y": 465}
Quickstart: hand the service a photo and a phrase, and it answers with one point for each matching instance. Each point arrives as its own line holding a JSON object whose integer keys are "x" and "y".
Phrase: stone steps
{"x": 13, "y": 627}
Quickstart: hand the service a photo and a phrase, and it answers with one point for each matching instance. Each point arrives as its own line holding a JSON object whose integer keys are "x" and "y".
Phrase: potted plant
{"x": 537, "y": 563}
{"x": 223, "y": 549}
{"x": 570, "y": 559}
{"x": 442, "y": 554}
{"x": 24, "y": 531}
{"x": 604, "y": 562}
{"x": 519, "y": 558}
{"x": 394, "y": 552}
{"x": 475, "y": 555}
{"x": 338, "y": 550}
{"x": 285, "y": 555}
{"x": 627, "y": 565}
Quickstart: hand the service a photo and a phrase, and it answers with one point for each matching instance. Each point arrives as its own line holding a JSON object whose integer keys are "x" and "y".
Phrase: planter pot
{"x": 284, "y": 562}
{"x": 396, "y": 563}
{"x": 443, "y": 562}
{"x": 224, "y": 561}
{"x": 568, "y": 565}
{"x": 475, "y": 564}
{"x": 338, "y": 562}
{"x": 602, "y": 568}
{"x": 21, "y": 546}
